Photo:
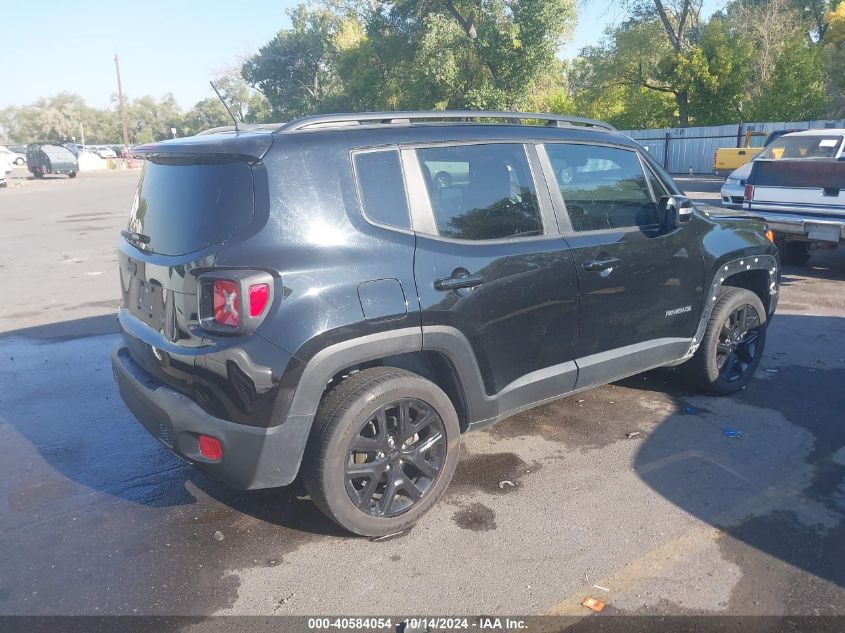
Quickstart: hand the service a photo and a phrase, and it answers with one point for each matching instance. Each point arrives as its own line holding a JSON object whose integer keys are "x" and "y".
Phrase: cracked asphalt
{"x": 548, "y": 506}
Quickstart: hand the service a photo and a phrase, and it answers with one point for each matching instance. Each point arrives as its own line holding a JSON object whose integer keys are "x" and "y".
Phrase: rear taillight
{"x": 259, "y": 296}
{"x": 749, "y": 193}
{"x": 234, "y": 301}
{"x": 227, "y": 310}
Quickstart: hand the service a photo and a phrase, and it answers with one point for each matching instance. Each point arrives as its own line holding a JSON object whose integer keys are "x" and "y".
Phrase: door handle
{"x": 601, "y": 264}
{"x": 456, "y": 283}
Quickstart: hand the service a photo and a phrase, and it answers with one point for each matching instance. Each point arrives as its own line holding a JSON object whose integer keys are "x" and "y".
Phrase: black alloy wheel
{"x": 383, "y": 447}
{"x": 737, "y": 349}
{"x": 732, "y": 345}
{"x": 395, "y": 458}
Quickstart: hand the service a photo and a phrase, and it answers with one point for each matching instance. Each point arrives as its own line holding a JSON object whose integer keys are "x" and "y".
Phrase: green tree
{"x": 717, "y": 71}
{"x": 294, "y": 70}
{"x": 410, "y": 54}
{"x": 205, "y": 114}
{"x": 246, "y": 103}
{"x": 834, "y": 43}
{"x": 797, "y": 89}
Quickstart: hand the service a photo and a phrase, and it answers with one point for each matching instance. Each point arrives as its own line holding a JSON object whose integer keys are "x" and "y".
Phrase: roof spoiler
{"x": 252, "y": 147}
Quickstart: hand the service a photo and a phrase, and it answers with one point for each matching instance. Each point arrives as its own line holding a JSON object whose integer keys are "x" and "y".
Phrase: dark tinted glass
{"x": 382, "y": 187}
{"x": 481, "y": 192}
{"x": 603, "y": 187}
{"x": 185, "y": 207}
{"x": 657, "y": 186}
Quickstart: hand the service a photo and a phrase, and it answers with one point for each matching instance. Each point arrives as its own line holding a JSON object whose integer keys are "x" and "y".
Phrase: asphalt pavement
{"x": 633, "y": 492}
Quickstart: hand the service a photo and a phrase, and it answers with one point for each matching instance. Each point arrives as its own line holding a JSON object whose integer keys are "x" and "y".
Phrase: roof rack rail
{"x": 370, "y": 118}
{"x": 245, "y": 127}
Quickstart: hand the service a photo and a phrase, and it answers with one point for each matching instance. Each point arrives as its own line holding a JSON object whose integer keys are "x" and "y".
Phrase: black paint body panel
{"x": 347, "y": 292}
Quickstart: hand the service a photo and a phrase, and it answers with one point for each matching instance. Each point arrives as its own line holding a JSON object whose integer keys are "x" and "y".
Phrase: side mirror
{"x": 675, "y": 211}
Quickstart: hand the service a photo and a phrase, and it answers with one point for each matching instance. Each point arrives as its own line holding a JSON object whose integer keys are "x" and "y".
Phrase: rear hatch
{"x": 192, "y": 198}
{"x": 798, "y": 186}
{"x": 61, "y": 158}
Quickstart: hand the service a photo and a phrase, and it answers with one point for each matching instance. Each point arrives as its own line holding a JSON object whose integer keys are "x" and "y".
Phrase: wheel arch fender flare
{"x": 446, "y": 341}
{"x": 721, "y": 276}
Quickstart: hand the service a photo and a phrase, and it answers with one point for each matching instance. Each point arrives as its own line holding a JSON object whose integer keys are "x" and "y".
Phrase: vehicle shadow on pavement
{"x": 767, "y": 465}
{"x": 824, "y": 265}
{"x": 61, "y": 400}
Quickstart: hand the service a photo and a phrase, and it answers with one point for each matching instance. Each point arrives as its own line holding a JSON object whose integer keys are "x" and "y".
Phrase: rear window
{"x": 184, "y": 207}
{"x": 57, "y": 153}
{"x": 481, "y": 192}
{"x": 382, "y": 187}
{"x": 802, "y": 146}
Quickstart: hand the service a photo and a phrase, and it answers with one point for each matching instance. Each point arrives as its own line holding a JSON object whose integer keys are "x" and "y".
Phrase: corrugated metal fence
{"x": 680, "y": 150}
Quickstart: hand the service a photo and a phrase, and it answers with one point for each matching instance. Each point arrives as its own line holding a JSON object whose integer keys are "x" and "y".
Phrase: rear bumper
{"x": 253, "y": 457}
{"x": 814, "y": 228}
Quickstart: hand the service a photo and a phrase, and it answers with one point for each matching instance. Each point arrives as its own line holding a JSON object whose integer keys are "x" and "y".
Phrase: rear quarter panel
{"x": 320, "y": 247}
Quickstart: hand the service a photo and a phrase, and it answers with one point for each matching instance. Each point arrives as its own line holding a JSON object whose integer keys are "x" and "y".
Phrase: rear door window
{"x": 602, "y": 187}
{"x": 382, "y": 187}
{"x": 186, "y": 206}
{"x": 481, "y": 192}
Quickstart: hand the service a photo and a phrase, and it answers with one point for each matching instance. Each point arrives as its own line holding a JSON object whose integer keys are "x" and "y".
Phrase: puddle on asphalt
{"x": 595, "y": 418}
{"x": 486, "y": 471}
{"x": 476, "y": 517}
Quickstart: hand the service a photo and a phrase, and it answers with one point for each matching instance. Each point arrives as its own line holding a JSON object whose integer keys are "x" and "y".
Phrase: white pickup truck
{"x": 798, "y": 185}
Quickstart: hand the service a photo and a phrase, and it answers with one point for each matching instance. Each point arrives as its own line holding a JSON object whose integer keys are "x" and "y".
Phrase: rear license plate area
{"x": 822, "y": 232}
{"x": 150, "y": 305}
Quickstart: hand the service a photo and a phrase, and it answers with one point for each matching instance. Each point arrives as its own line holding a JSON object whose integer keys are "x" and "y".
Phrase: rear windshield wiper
{"x": 136, "y": 237}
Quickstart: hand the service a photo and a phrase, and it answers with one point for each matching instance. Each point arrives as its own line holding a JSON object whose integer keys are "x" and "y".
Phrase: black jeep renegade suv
{"x": 344, "y": 295}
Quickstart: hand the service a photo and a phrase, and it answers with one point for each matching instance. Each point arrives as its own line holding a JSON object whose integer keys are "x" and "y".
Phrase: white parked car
{"x": 13, "y": 157}
{"x": 5, "y": 169}
{"x": 734, "y": 187}
{"x": 104, "y": 152}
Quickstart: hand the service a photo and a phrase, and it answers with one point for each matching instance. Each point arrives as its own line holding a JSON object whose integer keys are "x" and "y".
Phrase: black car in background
{"x": 43, "y": 159}
{"x": 343, "y": 296}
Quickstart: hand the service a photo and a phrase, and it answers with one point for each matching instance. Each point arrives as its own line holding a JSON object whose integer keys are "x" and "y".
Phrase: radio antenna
{"x": 217, "y": 92}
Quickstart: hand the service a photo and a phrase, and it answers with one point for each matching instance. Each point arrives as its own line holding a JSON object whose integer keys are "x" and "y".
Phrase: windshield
{"x": 803, "y": 146}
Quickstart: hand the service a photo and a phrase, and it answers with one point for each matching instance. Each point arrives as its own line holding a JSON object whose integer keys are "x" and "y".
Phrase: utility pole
{"x": 122, "y": 109}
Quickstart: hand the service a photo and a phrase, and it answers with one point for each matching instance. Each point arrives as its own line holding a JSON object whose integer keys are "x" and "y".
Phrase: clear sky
{"x": 164, "y": 46}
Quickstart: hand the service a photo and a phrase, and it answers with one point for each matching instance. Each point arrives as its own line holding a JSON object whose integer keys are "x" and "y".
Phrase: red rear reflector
{"x": 210, "y": 447}
{"x": 258, "y": 297}
{"x": 749, "y": 192}
{"x": 226, "y": 304}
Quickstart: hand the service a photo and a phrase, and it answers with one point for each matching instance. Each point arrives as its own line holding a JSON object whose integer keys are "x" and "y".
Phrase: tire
{"x": 351, "y": 412}
{"x": 707, "y": 370}
{"x": 19, "y": 161}
{"x": 795, "y": 253}
{"x": 72, "y": 174}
